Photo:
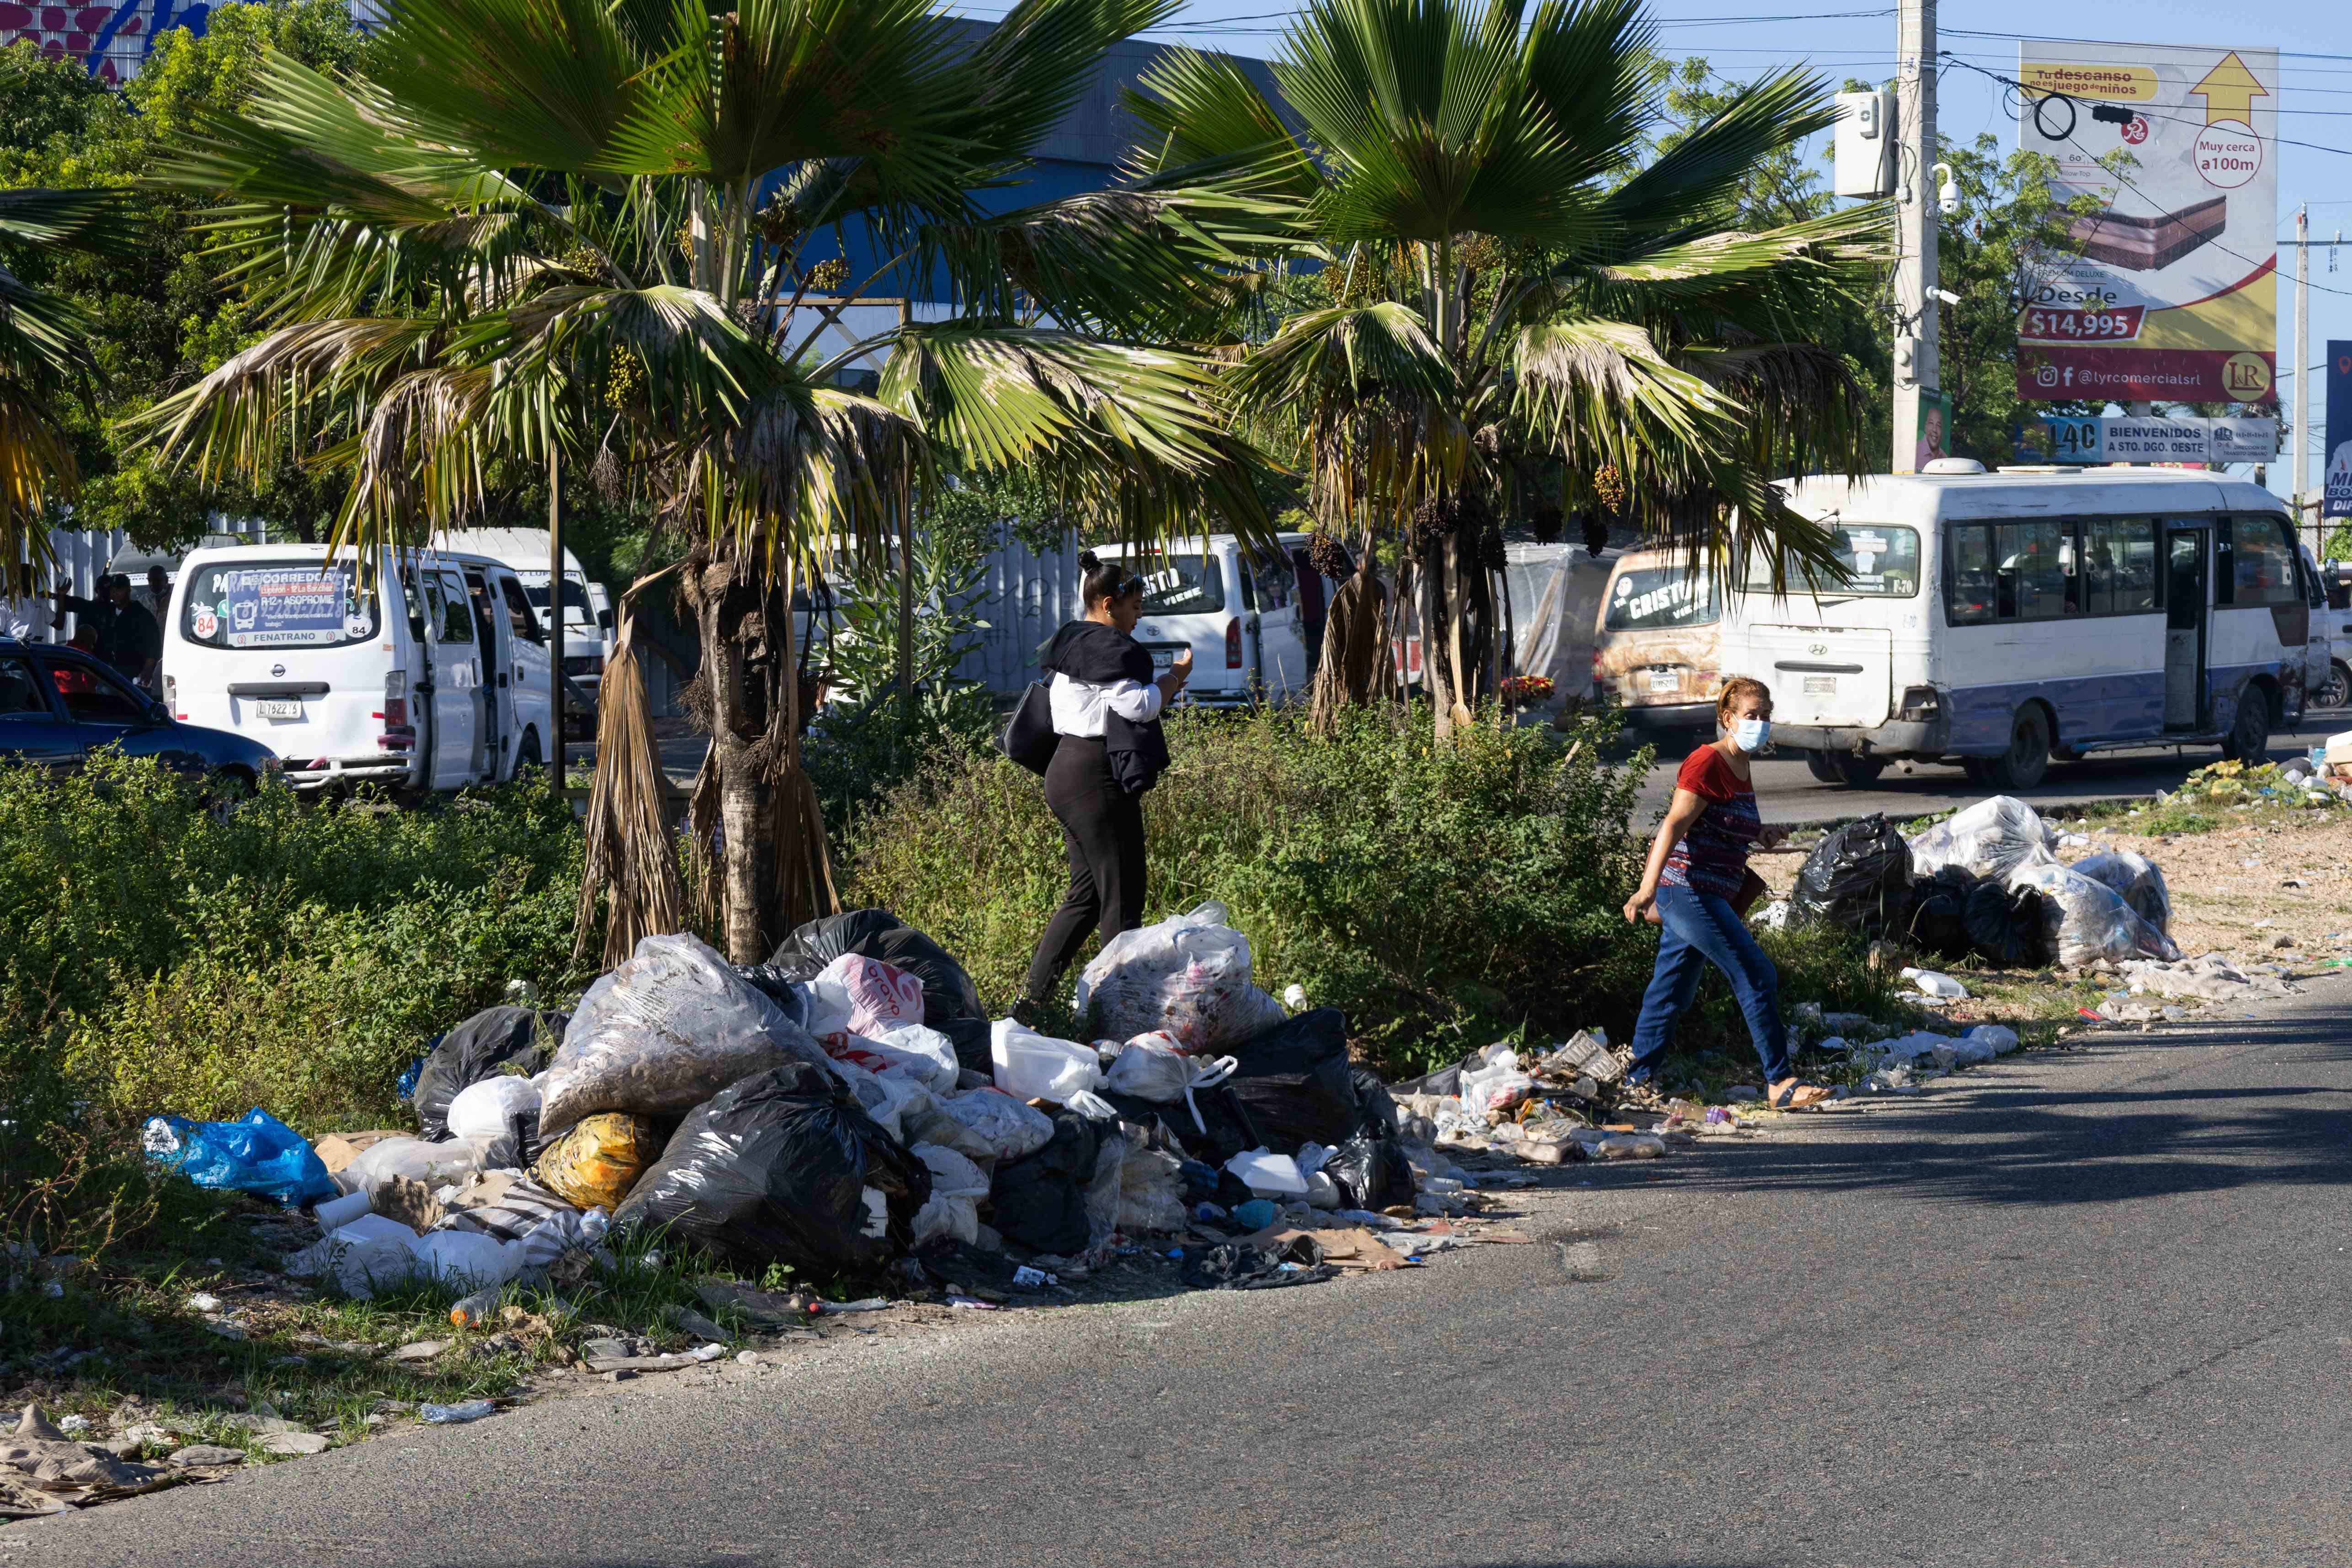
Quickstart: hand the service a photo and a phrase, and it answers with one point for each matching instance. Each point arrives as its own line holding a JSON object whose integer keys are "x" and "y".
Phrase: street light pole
{"x": 1918, "y": 376}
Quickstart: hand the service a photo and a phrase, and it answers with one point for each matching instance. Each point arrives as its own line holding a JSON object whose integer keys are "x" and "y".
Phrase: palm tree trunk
{"x": 747, "y": 861}
{"x": 1356, "y": 667}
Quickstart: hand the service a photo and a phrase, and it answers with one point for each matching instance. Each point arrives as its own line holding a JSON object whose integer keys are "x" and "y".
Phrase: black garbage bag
{"x": 1371, "y": 1170}
{"x": 1940, "y": 912}
{"x": 2005, "y": 927}
{"x": 970, "y": 1036}
{"x": 1859, "y": 878}
{"x": 773, "y": 1168}
{"x": 1297, "y": 1085}
{"x": 1375, "y": 1106}
{"x": 485, "y": 1043}
{"x": 948, "y": 991}
{"x": 1039, "y": 1201}
{"x": 783, "y": 984}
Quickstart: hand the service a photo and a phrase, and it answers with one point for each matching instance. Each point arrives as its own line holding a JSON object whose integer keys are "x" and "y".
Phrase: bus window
{"x": 2030, "y": 580}
{"x": 1969, "y": 586}
{"x": 2118, "y": 566}
{"x": 2262, "y": 564}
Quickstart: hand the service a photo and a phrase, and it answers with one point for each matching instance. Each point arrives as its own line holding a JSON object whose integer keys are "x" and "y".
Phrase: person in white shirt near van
{"x": 1107, "y": 706}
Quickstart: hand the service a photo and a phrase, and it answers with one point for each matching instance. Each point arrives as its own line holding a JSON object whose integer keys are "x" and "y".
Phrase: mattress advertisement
{"x": 2168, "y": 291}
{"x": 2336, "y": 477}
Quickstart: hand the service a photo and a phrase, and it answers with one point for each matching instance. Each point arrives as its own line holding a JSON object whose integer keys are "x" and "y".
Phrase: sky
{"x": 1844, "y": 39}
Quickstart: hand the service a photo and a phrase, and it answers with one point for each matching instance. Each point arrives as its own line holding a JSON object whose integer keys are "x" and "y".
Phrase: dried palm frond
{"x": 630, "y": 858}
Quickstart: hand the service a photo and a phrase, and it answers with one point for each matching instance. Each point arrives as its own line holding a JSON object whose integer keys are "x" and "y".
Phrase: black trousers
{"x": 1102, "y": 825}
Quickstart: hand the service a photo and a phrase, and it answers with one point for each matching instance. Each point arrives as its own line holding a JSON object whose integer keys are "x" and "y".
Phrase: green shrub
{"x": 1442, "y": 896}
{"x": 168, "y": 953}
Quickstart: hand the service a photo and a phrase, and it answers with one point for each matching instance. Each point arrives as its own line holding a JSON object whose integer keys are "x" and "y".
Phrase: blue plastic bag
{"x": 407, "y": 1087}
{"x": 257, "y": 1153}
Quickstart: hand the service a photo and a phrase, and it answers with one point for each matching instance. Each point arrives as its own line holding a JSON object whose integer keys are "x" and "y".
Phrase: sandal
{"x": 1799, "y": 1095}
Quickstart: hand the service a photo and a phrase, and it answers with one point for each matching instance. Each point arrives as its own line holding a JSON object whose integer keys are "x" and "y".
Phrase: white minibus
{"x": 2004, "y": 619}
{"x": 428, "y": 673}
{"x": 1241, "y": 617}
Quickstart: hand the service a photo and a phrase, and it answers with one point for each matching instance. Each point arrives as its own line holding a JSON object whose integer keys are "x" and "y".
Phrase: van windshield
{"x": 1882, "y": 561}
{"x": 1654, "y": 598}
{"x": 575, "y": 598}
{"x": 278, "y": 604}
{"x": 1181, "y": 584}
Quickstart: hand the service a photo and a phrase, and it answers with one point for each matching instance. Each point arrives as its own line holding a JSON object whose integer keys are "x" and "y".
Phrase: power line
{"x": 2019, "y": 88}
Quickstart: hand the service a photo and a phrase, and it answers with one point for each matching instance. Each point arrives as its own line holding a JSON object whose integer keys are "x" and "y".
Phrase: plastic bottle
{"x": 471, "y": 1312}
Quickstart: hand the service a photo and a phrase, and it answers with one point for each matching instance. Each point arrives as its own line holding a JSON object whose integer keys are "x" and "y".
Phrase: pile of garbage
{"x": 846, "y": 1109}
{"x": 2322, "y": 779}
{"x": 1987, "y": 882}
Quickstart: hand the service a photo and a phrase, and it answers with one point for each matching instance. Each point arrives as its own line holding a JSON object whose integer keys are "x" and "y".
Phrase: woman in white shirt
{"x": 1106, "y": 706}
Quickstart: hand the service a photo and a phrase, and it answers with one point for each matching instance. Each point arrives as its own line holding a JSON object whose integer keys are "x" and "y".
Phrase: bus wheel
{"x": 2023, "y": 766}
{"x": 1817, "y": 763}
{"x": 526, "y": 754}
{"x": 2249, "y": 738}
{"x": 2336, "y": 690}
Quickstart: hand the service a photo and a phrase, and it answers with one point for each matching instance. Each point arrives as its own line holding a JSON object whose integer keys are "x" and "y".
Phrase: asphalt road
{"x": 2081, "y": 1309}
{"x": 1787, "y": 793}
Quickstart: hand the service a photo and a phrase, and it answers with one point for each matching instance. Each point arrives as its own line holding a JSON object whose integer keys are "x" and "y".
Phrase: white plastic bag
{"x": 2136, "y": 878}
{"x": 370, "y": 1254}
{"x": 910, "y": 1051}
{"x": 878, "y": 993}
{"x": 486, "y": 1109}
{"x": 2087, "y": 921}
{"x": 1189, "y": 975}
{"x": 1932, "y": 983}
{"x": 933, "y": 1124}
{"x": 466, "y": 1259}
{"x": 1150, "y": 1070}
{"x": 885, "y": 1098}
{"x": 1012, "y": 1127}
{"x": 662, "y": 1032}
{"x": 1990, "y": 839}
{"x": 1031, "y": 1066}
{"x": 829, "y": 1007}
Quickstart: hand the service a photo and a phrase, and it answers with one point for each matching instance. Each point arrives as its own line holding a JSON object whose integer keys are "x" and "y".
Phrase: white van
{"x": 428, "y": 673}
{"x": 588, "y": 630}
{"x": 2003, "y": 619}
{"x": 1240, "y": 616}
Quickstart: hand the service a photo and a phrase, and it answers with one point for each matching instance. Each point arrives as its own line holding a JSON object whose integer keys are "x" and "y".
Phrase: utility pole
{"x": 1917, "y": 380}
{"x": 2299, "y": 431}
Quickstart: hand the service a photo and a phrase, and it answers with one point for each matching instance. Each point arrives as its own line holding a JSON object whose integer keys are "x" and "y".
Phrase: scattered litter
{"x": 1933, "y": 984}
{"x": 454, "y": 1414}
{"x": 257, "y": 1153}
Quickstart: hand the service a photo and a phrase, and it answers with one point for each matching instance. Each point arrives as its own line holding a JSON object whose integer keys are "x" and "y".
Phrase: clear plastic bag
{"x": 2136, "y": 878}
{"x": 1150, "y": 1070}
{"x": 662, "y": 1033}
{"x": 1031, "y": 1066}
{"x": 1013, "y": 1129}
{"x": 434, "y": 1165}
{"x": 1991, "y": 838}
{"x": 886, "y": 1099}
{"x": 1494, "y": 1083}
{"x": 2086, "y": 921}
{"x": 1189, "y": 975}
{"x": 1104, "y": 1186}
{"x": 1151, "y": 1193}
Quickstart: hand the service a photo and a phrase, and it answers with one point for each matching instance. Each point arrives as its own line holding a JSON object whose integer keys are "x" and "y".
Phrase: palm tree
{"x": 580, "y": 232}
{"x": 45, "y": 358}
{"x": 1510, "y": 283}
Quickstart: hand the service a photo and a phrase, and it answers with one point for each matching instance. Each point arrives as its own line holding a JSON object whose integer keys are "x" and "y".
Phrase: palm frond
{"x": 1703, "y": 172}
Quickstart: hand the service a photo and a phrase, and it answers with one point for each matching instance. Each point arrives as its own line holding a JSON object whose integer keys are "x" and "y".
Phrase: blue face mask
{"x": 1750, "y": 734}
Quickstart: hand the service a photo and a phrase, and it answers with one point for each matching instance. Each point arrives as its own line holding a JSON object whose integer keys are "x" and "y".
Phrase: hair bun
{"x": 1088, "y": 561}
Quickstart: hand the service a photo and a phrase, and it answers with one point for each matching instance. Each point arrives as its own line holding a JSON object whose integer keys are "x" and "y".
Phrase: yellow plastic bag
{"x": 595, "y": 1164}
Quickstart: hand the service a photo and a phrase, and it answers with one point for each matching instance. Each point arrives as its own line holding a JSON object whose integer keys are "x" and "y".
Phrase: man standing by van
{"x": 128, "y": 637}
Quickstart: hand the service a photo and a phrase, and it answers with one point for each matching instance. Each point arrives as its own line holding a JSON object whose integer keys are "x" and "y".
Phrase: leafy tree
{"x": 1511, "y": 281}
{"x": 563, "y": 234}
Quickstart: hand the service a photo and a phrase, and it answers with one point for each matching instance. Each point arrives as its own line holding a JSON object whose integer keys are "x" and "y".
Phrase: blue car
{"x": 58, "y": 705}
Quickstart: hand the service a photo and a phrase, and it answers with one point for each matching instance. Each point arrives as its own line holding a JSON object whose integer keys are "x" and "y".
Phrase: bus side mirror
{"x": 604, "y": 619}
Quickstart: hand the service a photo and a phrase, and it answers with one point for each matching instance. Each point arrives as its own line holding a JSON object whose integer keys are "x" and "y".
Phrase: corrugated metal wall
{"x": 1024, "y": 597}
{"x": 82, "y": 555}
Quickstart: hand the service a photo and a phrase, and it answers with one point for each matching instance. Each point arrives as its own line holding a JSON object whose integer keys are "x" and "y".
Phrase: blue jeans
{"x": 1700, "y": 928}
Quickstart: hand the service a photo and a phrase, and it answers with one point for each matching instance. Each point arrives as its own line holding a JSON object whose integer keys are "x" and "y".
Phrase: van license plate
{"x": 1665, "y": 681}
{"x": 291, "y": 708}
{"x": 1820, "y": 686}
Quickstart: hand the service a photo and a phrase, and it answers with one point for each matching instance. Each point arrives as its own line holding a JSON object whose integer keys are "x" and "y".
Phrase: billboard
{"x": 2170, "y": 291}
{"x": 110, "y": 41}
{"x": 2336, "y": 481}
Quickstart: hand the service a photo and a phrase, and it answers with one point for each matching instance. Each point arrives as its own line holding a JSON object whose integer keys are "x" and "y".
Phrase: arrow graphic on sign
{"x": 2229, "y": 91}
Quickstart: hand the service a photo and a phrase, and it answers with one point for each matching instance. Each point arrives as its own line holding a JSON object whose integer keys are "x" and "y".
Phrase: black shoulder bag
{"x": 1028, "y": 738}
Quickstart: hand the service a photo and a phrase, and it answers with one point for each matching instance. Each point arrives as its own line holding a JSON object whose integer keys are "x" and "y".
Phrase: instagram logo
{"x": 2045, "y": 375}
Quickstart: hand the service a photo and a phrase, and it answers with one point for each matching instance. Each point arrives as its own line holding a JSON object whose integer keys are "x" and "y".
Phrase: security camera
{"x": 1947, "y": 189}
{"x": 1948, "y": 296}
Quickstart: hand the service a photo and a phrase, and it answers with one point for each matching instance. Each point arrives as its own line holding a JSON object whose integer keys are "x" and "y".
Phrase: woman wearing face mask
{"x": 1696, "y": 885}
{"x": 1107, "y": 707}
